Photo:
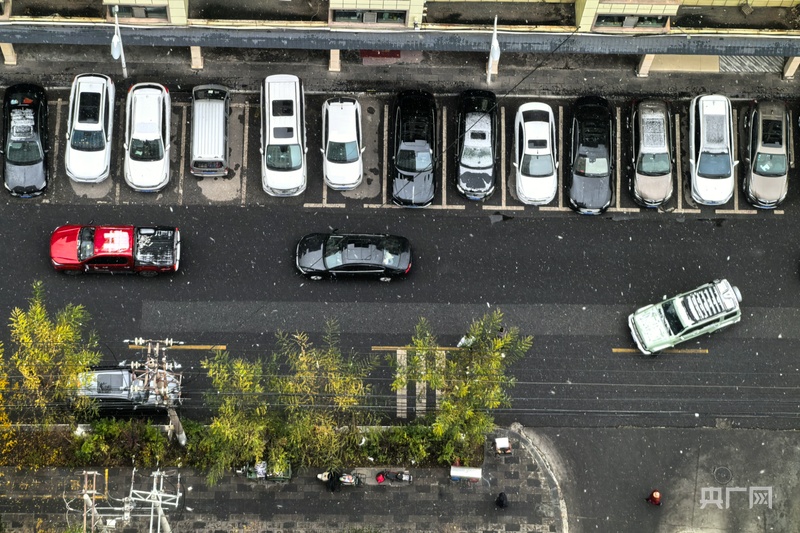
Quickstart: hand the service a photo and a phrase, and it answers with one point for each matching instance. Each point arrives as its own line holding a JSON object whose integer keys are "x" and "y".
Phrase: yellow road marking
{"x": 185, "y": 347}
{"x": 395, "y": 348}
{"x": 634, "y": 350}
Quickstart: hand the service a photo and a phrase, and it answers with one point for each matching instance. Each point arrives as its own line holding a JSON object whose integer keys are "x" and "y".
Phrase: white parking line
{"x": 736, "y": 210}
{"x": 618, "y": 169}
{"x": 443, "y": 155}
{"x": 243, "y": 172}
{"x": 56, "y": 146}
{"x": 679, "y": 168}
{"x": 385, "y": 162}
{"x": 503, "y": 177}
{"x": 183, "y": 155}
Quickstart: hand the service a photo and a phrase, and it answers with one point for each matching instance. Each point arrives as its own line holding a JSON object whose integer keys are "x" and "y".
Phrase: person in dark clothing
{"x": 502, "y": 500}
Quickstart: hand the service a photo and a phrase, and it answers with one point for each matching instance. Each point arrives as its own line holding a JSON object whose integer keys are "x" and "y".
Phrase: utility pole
{"x": 156, "y": 378}
{"x": 157, "y": 499}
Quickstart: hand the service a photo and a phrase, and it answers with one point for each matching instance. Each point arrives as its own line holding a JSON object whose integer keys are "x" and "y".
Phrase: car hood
{"x": 25, "y": 178}
{"x": 590, "y": 193}
{"x": 64, "y": 245}
{"x": 651, "y": 327}
{"x": 413, "y": 188}
{"x": 539, "y": 190}
{"x": 480, "y": 181}
{"x": 653, "y": 189}
{"x": 343, "y": 174}
{"x": 149, "y": 175}
{"x": 714, "y": 191}
{"x": 309, "y": 252}
{"x": 86, "y": 166}
{"x": 285, "y": 180}
{"x": 768, "y": 190}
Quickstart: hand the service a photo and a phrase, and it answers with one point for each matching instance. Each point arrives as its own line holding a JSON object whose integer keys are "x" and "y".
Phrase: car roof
{"x": 146, "y": 109}
{"x": 341, "y": 122}
{"x": 715, "y": 121}
{"x": 478, "y": 129}
{"x": 653, "y": 124}
{"x": 113, "y": 240}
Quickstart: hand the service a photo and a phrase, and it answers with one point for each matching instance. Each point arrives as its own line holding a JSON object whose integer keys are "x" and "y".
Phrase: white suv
{"x": 90, "y": 124}
{"x": 283, "y": 136}
{"x": 711, "y": 149}
{"x": 147, "y": 129}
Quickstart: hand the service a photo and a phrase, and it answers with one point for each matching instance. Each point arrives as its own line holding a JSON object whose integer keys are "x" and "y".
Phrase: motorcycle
{"x": 395, "y": 477}
{"x": 333, "y": 480}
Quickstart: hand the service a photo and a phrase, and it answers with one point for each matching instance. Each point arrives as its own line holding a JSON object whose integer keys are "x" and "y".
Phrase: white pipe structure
{"x": 117, "y": 51}
{"x": 494, "y": 54}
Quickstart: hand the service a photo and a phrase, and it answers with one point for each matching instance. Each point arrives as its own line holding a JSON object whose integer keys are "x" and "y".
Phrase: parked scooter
{"x": 394, "y": 476}
{"x": 333, "y": 480}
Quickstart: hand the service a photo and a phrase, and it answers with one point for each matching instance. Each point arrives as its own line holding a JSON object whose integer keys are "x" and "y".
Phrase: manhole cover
{"x": 723, "y": 475}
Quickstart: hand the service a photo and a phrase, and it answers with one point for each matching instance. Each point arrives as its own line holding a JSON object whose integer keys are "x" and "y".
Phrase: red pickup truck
{"x": 146, "y": 251}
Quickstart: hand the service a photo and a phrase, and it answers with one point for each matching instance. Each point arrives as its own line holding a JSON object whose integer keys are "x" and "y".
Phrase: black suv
{"x": 414, "y": 154}
{"x": 590, "y": 184}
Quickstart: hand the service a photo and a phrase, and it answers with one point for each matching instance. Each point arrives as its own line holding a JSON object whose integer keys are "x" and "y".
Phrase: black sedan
{"x": 414, "y": 157}
{"x": 477, "y": 144}
{"x": 25, "y": 140}
{"x": 590, "y": 186}
{"x": 383, "y": 256}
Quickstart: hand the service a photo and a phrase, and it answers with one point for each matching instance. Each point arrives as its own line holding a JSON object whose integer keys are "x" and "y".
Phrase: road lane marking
{"x": 687, "y": 350}
{"x": 185, "y": 347}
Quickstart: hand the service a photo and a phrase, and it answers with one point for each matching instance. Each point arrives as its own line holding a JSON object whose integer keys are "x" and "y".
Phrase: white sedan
{"x": 147, "y": 128}
{"x": 90, "y": 124}
{"x": 535, "y": 153}
{"x": 341, "y": 143}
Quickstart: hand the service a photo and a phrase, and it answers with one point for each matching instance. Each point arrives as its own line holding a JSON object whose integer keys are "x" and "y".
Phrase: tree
{"x": 50, "y": 354}
{"x": 238, "y": 433}
{"x": 471, "y": 380}
{"x": 324, "y": 394}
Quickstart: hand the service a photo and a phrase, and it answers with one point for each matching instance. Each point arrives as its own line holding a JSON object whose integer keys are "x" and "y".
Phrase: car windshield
{"x": 142, "y": 150}
{"x": 333, "y": 251}
{"x": 413, "y": 160}
{"x": 714, "y": 166}
{"x": 86, "y": 243}
{"x": 284, "y": 157}
{"x": 591, "y": 166}
{"x": 23, "y": 152}
{"x": 770, "y": 165}
{"x": 88, "y": 141}
{"x": 672, "y": 318}
{"x": 342, "y": 152}
{"x": 653, "y": 164}
{"x": 537, "y": 166}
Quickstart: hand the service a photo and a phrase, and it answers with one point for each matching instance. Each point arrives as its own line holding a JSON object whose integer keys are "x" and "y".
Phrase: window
{"x": 609, "y": 21}
{"x": 139, "y": 12}
{"x": 369, "y": 17}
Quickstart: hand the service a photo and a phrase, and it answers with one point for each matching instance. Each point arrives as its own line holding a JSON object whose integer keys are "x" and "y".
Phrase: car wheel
{"x": 315, "y": 278}
{"x": 148, "y": 273}
{"x": 72, "y": 272}
{"x": 385, "y": 279}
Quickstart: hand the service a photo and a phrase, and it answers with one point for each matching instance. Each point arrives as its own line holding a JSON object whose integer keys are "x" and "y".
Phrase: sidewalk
{"x": 432, "y": 503}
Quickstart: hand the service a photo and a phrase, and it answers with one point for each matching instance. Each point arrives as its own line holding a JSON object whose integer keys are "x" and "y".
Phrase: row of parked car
{"x": 415, "y": 149}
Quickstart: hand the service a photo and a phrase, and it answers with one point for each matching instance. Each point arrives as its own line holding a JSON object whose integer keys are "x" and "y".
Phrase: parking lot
{"x": 243, "y": 184}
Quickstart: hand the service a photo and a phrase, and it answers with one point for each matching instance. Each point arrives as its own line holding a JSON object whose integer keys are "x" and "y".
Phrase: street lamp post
{"x": 494, "y": 55}
{"x": 116, "y": 44}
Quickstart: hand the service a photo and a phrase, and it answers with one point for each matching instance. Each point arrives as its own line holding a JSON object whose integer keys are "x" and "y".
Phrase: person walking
{"x": 654, "y": 498}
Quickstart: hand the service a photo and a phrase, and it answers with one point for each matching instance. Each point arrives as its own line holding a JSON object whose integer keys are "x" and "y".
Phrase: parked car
{"x": 342, "y": 166}
{"x": 283, "y": 136}
{"x": 476, "y": 153}
{"x": 147, "y": 251}
{"x": 535, "y": 153}
{"x": 652, "y": 152}
{"x": 766, "y": 179}
{"x": 705, "y": 309}
{"x": 414, "y": 157}
{"x": 147, "y": 129}
{"x": 122, "y": 388}
{"x": 711, "y": 160}
{"x": 591, "y": 187}
{"x": 90, "y": 125}
{"x": 381, "y": 256}
{"x": 25, "y": 168}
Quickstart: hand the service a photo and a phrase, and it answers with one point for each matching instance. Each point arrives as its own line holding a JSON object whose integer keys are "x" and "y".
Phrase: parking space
{"x": 242, "y": 186}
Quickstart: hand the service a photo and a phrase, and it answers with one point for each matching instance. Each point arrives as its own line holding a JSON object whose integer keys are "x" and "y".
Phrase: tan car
{"x": 651, "y": 127}
{"x": 766, "y": 180}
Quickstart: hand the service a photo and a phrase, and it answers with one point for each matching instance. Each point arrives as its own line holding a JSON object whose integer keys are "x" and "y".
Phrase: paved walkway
{"x": 432, "y": 503}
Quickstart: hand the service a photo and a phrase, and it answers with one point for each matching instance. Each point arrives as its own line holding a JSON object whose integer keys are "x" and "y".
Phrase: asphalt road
{"x": 569, "y": 281}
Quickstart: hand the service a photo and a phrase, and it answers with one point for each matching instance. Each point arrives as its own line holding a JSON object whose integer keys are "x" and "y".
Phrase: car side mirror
{"x": 735, "y": 163}
{"x": 515, "y": 164}
{"x": 322, "y": 151}
{"x": 261, "y": 150}
{"x": 363, "y": 148}
{"x": 125, "y": 145}
{"x": 556, "y": 164}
